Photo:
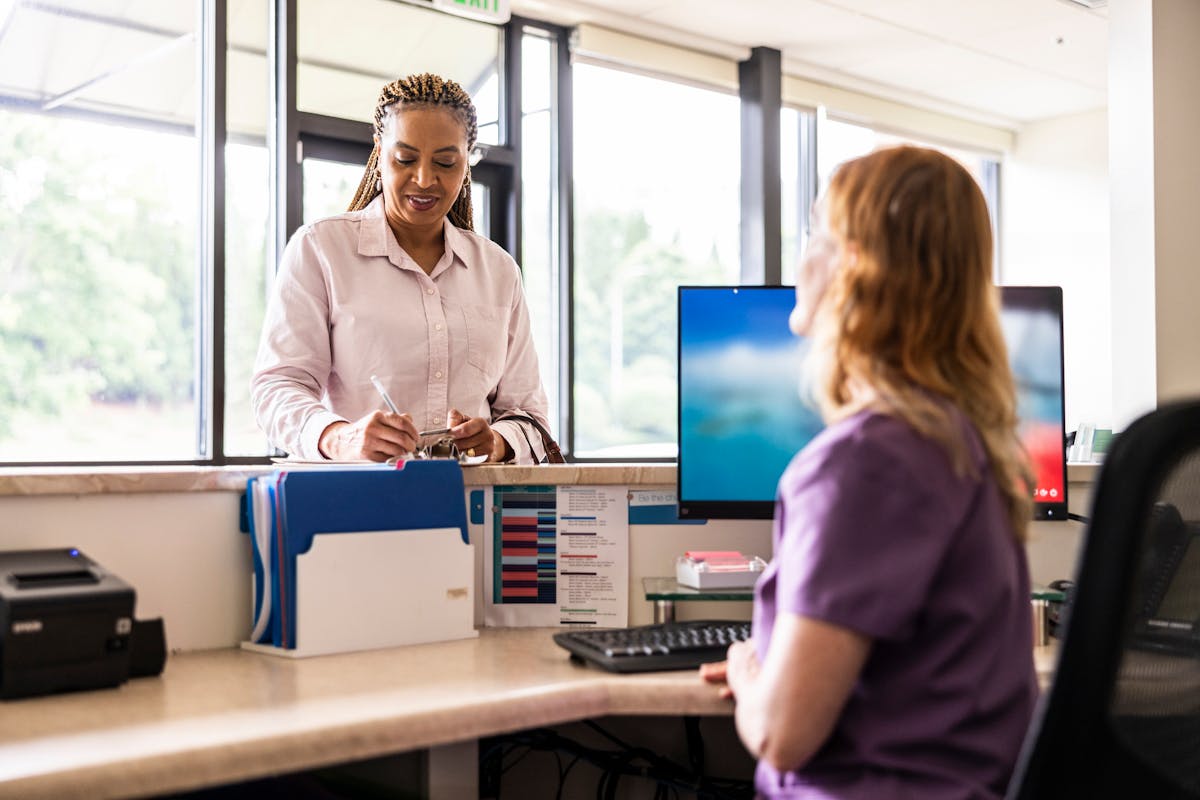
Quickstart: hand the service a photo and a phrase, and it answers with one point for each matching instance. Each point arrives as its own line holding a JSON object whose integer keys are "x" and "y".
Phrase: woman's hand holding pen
{"x": 475, "y": 437}
{"x": 378, "y": 436}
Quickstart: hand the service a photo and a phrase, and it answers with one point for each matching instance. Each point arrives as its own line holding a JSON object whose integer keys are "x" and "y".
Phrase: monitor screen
{"x": 1032, "y": 318}
{"x": 741, "y": 416}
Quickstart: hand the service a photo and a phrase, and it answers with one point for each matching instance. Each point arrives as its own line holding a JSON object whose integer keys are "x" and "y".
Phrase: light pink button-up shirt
{"x": 349, "y": 303}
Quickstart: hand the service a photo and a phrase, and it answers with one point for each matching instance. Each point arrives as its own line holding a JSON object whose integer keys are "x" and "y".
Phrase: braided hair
{"x": 422, "y": 91}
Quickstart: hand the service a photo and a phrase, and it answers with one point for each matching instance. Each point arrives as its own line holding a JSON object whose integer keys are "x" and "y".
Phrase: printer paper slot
{"x": 34, "y": 580}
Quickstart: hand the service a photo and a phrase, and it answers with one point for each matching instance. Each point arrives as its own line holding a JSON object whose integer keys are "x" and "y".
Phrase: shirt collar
{"x": 456, "y": 242}
{"x": 373, "y": 230}
{"x": 375, "y": 236}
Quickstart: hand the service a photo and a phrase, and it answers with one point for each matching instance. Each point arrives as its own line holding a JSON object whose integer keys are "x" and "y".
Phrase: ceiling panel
{"x": 807, "y": 30}
{"x": 953, "y": 20}
{"x": 1014, "y": 60}
{"x": 1079, "y": 52}
{"x": 979, "y": 81}
{"x": 634, "y": 8}
{"x": 1000, "y": 58}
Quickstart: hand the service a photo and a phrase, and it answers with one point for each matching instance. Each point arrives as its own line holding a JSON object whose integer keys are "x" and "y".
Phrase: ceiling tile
{"x": 999, "y": 55}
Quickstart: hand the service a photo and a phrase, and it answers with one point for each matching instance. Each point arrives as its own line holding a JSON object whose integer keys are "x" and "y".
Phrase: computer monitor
{"x": 742, "y": 419}
{"x": 1032, "y": 318}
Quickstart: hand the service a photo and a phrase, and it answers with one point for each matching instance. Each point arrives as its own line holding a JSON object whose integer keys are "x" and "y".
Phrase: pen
{"x": 434, "y": 432}
{"x": 383, "y": 393}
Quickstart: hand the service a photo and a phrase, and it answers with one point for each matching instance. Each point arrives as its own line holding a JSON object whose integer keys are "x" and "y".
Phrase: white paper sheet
{"x": 556, "y": 555}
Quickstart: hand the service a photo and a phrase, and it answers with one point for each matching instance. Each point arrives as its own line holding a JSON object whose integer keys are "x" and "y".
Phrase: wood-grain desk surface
{"x": 227, "y": 715}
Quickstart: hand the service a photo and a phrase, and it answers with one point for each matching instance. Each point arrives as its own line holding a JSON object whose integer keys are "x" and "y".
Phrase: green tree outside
{"x": 97, "y": 265}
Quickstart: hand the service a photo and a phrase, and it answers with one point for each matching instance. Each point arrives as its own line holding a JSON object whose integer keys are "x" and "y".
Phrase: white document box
{"x": 375, "y": 589}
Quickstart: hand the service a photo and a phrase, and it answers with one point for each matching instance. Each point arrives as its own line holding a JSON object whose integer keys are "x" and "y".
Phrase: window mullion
{"x": 210, "y": 295}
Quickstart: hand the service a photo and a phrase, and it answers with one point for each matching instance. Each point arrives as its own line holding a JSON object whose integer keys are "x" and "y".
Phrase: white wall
{"x": 1055, "y": 231}
{"x": 181, "y": 551}
{"x": 184, "y": 555}
{"x": 1154, "y": 167}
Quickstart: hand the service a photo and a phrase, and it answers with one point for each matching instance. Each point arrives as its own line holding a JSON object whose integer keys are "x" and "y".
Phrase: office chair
{"x": 1122, "y": 719}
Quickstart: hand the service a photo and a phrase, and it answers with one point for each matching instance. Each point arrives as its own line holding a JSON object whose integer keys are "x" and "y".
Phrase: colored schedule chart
{"x": 527, "y": 558}
{"x": 557, "y": 555}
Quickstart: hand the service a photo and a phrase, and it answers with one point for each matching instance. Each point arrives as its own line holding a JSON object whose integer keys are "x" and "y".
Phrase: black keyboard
{"x": 649, "y": 648}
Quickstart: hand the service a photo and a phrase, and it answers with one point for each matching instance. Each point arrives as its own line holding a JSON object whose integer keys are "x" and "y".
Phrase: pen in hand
{"x": 383, "y": 393}
{"x": 434, "y": 432}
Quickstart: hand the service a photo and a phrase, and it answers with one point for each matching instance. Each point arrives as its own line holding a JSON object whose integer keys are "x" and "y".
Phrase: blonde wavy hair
{"x": 912, "y": 316}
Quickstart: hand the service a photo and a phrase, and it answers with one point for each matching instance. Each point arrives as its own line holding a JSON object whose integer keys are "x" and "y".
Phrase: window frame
{"x": 293, "y": 135}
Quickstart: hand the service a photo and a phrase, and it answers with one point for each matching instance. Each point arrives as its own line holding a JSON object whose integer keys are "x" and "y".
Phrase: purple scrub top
{"x": 875, "y": 532}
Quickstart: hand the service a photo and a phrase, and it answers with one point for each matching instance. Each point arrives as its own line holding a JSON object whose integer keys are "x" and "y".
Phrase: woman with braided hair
{"x": 400, "y": 287}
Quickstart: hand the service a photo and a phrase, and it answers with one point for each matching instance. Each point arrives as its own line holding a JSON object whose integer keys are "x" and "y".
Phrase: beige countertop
{"x": 81, "y": 480}
{"x": 25, "y": 481}
{"x": 230, "y": 715}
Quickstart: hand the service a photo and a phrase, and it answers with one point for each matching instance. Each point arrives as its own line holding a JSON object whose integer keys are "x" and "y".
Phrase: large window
{"x": 540, "y": 235}
{"x": 99, "y": 216}
{"x": 656, "y": 205}
{"x": 110, "y": 343}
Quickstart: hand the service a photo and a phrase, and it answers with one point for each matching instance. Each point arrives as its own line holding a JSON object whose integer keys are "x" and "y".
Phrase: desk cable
{"x": 671, "y": 780}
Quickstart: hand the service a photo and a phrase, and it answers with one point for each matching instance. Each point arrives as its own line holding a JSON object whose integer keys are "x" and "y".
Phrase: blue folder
{"x": 414, "y": 495}
{"x": 264, "y": 565}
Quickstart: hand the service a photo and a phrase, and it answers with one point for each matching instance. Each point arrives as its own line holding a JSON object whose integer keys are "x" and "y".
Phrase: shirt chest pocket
{"x": 487, "y": 339}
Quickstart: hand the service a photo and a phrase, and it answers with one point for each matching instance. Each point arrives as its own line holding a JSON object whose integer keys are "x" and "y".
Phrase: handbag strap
{"x": 553, "y": 452}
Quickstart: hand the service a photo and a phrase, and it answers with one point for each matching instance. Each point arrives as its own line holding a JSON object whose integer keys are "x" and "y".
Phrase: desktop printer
{"x": 66, "y": 623}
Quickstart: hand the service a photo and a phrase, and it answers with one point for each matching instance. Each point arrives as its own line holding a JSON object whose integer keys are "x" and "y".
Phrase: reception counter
{"x": 218, "y": 714}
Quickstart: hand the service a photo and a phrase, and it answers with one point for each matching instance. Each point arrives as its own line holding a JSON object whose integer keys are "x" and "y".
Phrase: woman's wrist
{"x": 500, "y": 449}
{"x": 327, "y": 442}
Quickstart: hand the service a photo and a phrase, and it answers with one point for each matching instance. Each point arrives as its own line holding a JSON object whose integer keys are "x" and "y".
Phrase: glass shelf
{"x": 670, "y": 589}
{"x": 666, "y": 592}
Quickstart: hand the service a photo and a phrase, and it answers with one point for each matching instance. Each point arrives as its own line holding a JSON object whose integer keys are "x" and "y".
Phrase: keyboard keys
{"x": 674, "y": 645}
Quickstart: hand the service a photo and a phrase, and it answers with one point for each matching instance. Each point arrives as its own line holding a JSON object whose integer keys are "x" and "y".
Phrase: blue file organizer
{"x": 410, "y": 512}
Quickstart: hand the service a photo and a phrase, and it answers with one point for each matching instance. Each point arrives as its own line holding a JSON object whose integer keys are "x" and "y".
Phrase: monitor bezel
{"x": 1048, "y": 298}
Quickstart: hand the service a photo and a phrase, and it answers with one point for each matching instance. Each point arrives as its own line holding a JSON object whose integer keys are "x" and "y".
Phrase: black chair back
{"x": 1122, "y": 718}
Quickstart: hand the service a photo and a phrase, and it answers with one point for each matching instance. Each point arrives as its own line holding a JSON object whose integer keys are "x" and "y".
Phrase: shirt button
{"x": 437, "y": 327}
{"x": 437, "y": 374}
{"x": 429, "y": 291}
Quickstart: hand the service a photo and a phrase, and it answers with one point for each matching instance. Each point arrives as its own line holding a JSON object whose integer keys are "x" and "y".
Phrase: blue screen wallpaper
{"x": 741, "y": 416}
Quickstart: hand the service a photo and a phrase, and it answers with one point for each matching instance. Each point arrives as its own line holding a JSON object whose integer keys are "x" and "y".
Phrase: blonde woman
{"x": 891, "y": 639}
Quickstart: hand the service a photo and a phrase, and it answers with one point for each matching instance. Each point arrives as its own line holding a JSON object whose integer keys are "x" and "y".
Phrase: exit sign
{"x": 487, "y": 10}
